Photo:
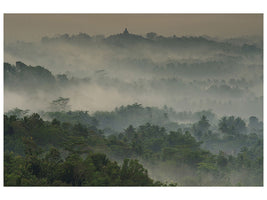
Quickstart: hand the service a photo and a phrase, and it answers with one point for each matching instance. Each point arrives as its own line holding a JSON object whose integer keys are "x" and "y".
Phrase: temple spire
{"x": 125, "y": 32}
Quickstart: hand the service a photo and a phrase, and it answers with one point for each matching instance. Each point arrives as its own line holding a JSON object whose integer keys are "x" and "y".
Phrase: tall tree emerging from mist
{"x": 202, "y": 127}
{"x": 60, "y": 104}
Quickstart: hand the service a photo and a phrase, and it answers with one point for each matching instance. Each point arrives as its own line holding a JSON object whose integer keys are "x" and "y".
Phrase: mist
{"x": 186, "y": 73}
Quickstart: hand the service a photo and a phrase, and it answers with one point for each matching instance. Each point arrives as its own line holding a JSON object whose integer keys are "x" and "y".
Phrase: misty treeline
{"x": 135, "y": 110}
{"x": 204, "y": 125}
{"x": 185, "y": 73}
{"x": 180, "y": 157}
{"x": 35, "y": 87}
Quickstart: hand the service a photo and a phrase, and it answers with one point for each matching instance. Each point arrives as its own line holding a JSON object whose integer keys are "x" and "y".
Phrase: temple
{"x": 125, "y": 32}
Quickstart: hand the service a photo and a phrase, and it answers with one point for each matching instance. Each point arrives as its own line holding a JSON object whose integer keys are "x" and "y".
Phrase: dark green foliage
{"x": 38, "y": 167}
{"x": 134, "y": 115}
{"x": 60, "y": 153}
{"x": 73, "y": 117}
{"x": 232, "y": 125}
{"x": 51, "y": 170}
{"x": 133, "y": 172}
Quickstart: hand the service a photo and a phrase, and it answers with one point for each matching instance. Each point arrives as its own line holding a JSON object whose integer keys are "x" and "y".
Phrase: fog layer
{"x": 101, "y": 73}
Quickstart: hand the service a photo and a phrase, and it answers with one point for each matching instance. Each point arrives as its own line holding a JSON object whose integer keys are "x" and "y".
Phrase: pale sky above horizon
{"x": 32, "y": 27}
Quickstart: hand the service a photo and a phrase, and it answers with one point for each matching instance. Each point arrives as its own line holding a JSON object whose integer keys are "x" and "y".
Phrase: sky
{"x": 32, "y": 27}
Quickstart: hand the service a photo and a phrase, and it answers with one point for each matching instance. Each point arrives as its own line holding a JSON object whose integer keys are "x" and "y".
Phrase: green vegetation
{"x": 61, "y": 129}
{"x": 49, "y": 169}
{"x": 51, "y": 153}
{"x": 39, "y": 152}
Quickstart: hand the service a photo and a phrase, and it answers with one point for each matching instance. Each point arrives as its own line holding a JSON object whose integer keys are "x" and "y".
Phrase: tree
{"x": 254, "y": 125}
{"x": 232, "y": 126}
{"x": 133, "y": 173}
{"x": 202, "y": 127}
{"x": 60, "y": 104}
{"x": 74, "y": 170}
{"x": 32, "y": 160}
{"x": 80, "y": 130}
{"x": 52, "y": 165}
{"x": 253, "y": 122}
{"x": 33, "y": 122}
{"x": 100, "y": 160}
{"x": 129, "y": 132}
{"x": 17, "y": 112}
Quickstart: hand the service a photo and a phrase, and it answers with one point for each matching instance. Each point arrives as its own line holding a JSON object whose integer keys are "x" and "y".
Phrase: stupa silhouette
{"x": 125, "y": 32}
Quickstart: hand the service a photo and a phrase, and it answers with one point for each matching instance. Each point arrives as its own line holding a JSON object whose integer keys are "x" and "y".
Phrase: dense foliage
{"x": 41, "y": 158}
{"x": 50, "y": 169}
{"x": 61, "y": 153}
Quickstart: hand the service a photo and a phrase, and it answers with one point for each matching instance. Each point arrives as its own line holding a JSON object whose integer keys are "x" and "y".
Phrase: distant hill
{"x": 27, "y": 76}
{"x": 154, "y": 40}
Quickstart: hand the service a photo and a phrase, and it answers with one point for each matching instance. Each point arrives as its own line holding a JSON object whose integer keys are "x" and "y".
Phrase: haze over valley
{"x": 185, "y": 73}
{"x": 174, "y": 105}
